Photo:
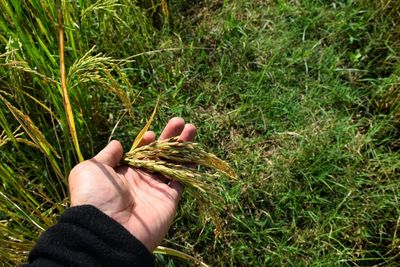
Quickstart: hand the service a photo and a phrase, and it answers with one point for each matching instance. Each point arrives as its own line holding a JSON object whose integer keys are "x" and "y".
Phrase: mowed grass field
{"x": 301, "y": 97}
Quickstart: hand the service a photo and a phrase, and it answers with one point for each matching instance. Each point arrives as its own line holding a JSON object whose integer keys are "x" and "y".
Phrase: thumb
{"x": 111, "y": 155}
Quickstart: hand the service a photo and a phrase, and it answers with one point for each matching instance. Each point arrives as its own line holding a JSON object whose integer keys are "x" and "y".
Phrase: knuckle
{"x": 79, "y": 169}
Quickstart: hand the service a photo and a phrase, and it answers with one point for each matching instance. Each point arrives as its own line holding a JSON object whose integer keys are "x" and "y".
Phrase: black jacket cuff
{"x": 85, "y": 236}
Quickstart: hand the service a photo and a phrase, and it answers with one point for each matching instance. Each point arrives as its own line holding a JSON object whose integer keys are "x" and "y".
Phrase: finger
{"x": 188, "y": 133}
{"x": 177, "y": 187}
{"x": 111, "y": 155}
{"x": 174, "y": 128}
{"x": 148, "y": 137}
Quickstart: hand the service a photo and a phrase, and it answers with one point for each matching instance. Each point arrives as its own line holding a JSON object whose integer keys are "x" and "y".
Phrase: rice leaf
{"x": 67, "y": 104}
{"x": 139, "y": 137}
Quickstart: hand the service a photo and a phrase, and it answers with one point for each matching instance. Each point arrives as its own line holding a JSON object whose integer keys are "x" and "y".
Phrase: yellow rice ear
{"x": 170, "y": 158}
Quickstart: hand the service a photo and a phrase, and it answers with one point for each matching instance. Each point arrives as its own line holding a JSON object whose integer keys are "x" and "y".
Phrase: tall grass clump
{"x": 53, "y": 91}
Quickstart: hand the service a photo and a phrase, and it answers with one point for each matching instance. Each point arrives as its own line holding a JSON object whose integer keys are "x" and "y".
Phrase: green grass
{"x": 302, "y": 97}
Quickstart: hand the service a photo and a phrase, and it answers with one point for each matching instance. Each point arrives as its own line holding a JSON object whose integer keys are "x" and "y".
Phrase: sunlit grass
{"x": 301, "y": 97}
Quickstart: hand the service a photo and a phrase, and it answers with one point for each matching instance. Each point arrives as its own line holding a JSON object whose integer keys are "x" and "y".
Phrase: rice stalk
{"x": 34, "y": 129}
{"x": 179, "y": 254}
{"x": 25, "y": 212}
{"x": 164, "y": 9}
{"x": 67, "y": 105}
{"x": 37, "y": 137}
{"x": 21, "y": 210}
{"x": 97, "y": 69}
{"x": 171, "y": 158}
{"x": 108, "y": 6}
{"x": 181, "y": 152}
{"x": 4, "y": 138}
{"x": 11, "y": 62}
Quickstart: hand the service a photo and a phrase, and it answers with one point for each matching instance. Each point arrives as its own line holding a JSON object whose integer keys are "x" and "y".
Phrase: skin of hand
{"x": 144, "y": 203}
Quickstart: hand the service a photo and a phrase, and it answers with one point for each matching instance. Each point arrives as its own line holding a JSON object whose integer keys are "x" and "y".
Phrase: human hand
{"x": 142, "y": 202}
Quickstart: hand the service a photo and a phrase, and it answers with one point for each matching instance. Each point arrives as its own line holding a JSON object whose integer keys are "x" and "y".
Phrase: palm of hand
{"x": 141, "y": 202}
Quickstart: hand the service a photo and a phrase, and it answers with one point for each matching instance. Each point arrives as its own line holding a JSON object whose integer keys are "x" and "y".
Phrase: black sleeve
{"x": 84, "y": 236}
